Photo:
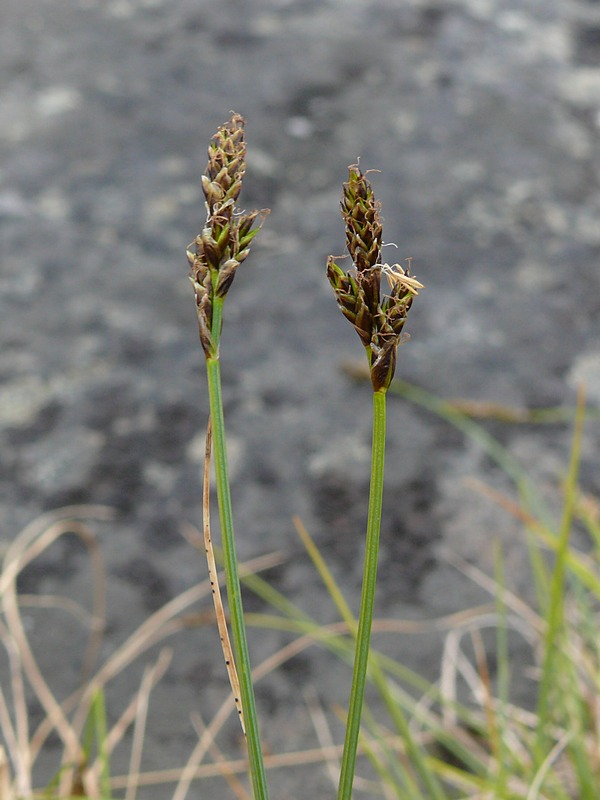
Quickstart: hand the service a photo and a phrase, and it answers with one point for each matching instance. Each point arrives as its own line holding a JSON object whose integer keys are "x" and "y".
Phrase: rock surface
{"x": 484, "y": 119}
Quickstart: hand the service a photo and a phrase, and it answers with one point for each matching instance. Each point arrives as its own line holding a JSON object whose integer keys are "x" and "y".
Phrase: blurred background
{"x": 483, "y": 118}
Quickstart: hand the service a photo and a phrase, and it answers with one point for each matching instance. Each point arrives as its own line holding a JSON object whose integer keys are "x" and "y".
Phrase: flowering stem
{"x": 367, "y": 602}
{"x": 234, "y": 596}
{"x": 218, "y": 251}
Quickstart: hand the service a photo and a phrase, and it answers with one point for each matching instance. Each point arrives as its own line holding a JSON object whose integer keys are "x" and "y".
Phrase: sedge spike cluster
{"x": 225, "y": 238}
{"x": 378, "y": 317}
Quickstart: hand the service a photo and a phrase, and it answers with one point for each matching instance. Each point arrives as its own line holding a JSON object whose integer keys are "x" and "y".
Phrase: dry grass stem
{"x": 486, "y": 698}
{"x": 68, "y": 605}
{"x": 220, "y": 760}
{"x": 6, "y": 792}
{"x": 515, "y": 509}
{"x": 533, "y": 621}
{"x": 16, "y": 737}
{"x": 323, "y": 731}
{"x": 140, "y": 704}
{"x": 454, "y": 663}
{"x": 296, "y": 758}
{"x": 216, "y": 589}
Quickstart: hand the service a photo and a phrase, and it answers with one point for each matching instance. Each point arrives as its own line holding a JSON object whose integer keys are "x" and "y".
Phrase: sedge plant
{"x": 218, "y": 250}
{"x": 378, "y": 318}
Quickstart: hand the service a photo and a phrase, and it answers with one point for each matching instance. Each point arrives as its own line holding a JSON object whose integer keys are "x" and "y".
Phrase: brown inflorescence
{"x": 225, "y": 238}
{"x": 378, "y": 318}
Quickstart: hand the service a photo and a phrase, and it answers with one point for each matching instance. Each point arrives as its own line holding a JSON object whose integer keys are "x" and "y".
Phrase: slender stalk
{"x": 367, "y": 602}
{"x": 217, "y": 252}
{"x": 234, "y": 595}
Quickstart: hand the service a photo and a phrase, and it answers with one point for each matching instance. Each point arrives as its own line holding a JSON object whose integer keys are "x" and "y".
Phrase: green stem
{"x": 234, "y": 595}
{"x": 367, "y": 602}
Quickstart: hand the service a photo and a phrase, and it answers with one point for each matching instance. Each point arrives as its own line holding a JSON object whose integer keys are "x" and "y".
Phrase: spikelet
{"x": 224, "y": 240}
{"x": 378, "y": 318}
